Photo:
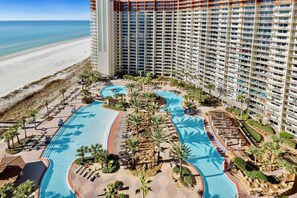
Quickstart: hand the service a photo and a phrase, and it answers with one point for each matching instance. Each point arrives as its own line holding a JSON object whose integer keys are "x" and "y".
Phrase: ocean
{"x": 19, "y": 36}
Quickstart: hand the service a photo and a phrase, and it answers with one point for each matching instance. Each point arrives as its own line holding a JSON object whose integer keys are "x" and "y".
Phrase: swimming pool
{"x": 112, "y": 89}
{"x": 89, "y": 125}
{"x": 204, "y": 156}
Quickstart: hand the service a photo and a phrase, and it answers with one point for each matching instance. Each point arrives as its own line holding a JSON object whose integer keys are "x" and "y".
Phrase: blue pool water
{"x": 204, "y": 156}
{"x": 112, "y": 89}
{"x": 89, "y": 125}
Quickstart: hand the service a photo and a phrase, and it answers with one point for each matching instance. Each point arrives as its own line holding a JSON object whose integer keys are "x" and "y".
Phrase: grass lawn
{"x": 254, "y": 123}
{"x": 251, "y": 133}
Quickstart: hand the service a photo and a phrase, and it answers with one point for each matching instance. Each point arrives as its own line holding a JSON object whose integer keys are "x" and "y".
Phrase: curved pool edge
{"x": 113, "y": 131}
{"x": 225, "y": 160}
{"x": 46, "y": 160}
{"x": 214, "y": 147}
{"x": 47, "y": 164}
{"x": 69, "y": 183}
{"x": 112, "y": 84}
{"x": 201, "y": 191}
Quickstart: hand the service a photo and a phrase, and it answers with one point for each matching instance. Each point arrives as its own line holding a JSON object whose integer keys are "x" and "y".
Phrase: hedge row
{"x": 256, "y": 137}
{"x": 265, "y": 128}
{"x": 248, "y": 170}
{"x": 289, "y": 142}
{"x": 285, "y": 134}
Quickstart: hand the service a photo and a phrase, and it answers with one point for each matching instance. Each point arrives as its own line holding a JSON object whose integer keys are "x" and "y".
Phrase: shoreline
{"x": 31, "y": 94}
{"x": 21, "y": 69}
{"x": 35, "y": 49}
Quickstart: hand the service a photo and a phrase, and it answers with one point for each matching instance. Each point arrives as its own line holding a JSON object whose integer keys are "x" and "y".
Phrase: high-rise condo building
{"x": 242, "y": 47}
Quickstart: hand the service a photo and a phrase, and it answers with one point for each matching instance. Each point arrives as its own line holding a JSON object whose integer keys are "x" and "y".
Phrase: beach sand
{"x": 18, "y": 70}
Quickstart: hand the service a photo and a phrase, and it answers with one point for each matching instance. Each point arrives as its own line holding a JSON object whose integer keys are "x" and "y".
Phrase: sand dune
{"x": 19, "y": 70}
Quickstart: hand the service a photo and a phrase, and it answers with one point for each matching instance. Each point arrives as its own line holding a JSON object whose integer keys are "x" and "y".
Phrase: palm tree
{"x": 7, "y": 137}
{"x": 85, "y": 78}
{"x": 272, "y": 150}
{"x": 136, "y": 104}
{"x": 95, "y": 76}
{"x": 130, "y": 87}
{"x": 159, "y": 137}
{"x": 131, "y": 147}
{"x": 25, "y": 189}
{"x": 210, "y": 87}
{"x": 14, "y": 131}
{"x": 6, "y": 190}
{"x": 32, "y": 114}
{"x": 153, "y": 107}
{"x": 135, "y": 119}
{"x": 144, "y": 186}
{"x": 46, "y": 103}
{"x": 112, "y": 190}
{"x": 134, "y": 95}
{"x": 289, "y": 168}
{"x": 85, "y": 93}
{"x": 157, "y": 120}
{"x": 95, "y": 150}
{"x": 11, "y": 136}
{"x": 23, "y": 124}
{"x": 108, "y": 98}
{"x": 63, "y": 91}
{"x": 148, "y": 97}
{"x": 255, "y": 151}
{"x": 180, "y": 152}
{"x": 103, "y": 156}
{"x": 81, "y": 152}
{"x": 241, "y": 98}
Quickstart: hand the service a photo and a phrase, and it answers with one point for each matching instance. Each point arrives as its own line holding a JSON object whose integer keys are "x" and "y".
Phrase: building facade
{"x": 242, "y": 47}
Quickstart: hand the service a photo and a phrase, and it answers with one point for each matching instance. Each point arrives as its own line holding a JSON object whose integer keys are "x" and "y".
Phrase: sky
{"x": 44, "y": 10}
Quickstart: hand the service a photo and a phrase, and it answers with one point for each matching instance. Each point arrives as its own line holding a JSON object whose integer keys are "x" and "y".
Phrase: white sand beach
{"x": 21, "y": 69}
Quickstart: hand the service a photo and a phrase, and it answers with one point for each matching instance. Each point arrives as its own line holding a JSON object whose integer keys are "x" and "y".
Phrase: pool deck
{"x": 162, "y": 185}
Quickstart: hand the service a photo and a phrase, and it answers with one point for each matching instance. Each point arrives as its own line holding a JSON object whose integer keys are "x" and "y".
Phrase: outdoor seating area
{"x": 37, "y": 142}
{"x": 125, "y": 157}
{"x": 224, "y": 126}
{"x": 88, "y": 172}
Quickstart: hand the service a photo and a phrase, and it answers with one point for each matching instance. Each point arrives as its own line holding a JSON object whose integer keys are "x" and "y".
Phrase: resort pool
{"x": 89, "y": 125}
{"x": 204, "y": 156}
{"x": 112, "y": 89}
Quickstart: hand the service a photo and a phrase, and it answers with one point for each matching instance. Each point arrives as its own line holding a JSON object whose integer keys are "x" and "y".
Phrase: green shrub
{"x": 188, "y": 180}
{"x": 110, "y": 168}
{"x": 114, "y": 107}
{"x": 121, "y": 195}
{"x": 245, "y": 117}
{"x": 88, "y": 160}
{"x": 256, "y": 175}
{"x": 285, "y": 134}
{"x": 266, "y": 128}
{"x": 255, "y": 137}
{"x": 237, "y": 112}
{"x": 185, "y": 171}
{"x": 240, "y": 163}
{"x": 289, "y": 142}
{"x": 87, "y": 100}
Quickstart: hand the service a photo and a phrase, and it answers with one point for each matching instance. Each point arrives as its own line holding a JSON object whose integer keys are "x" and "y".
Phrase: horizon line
{"x": 45, "y": 20}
